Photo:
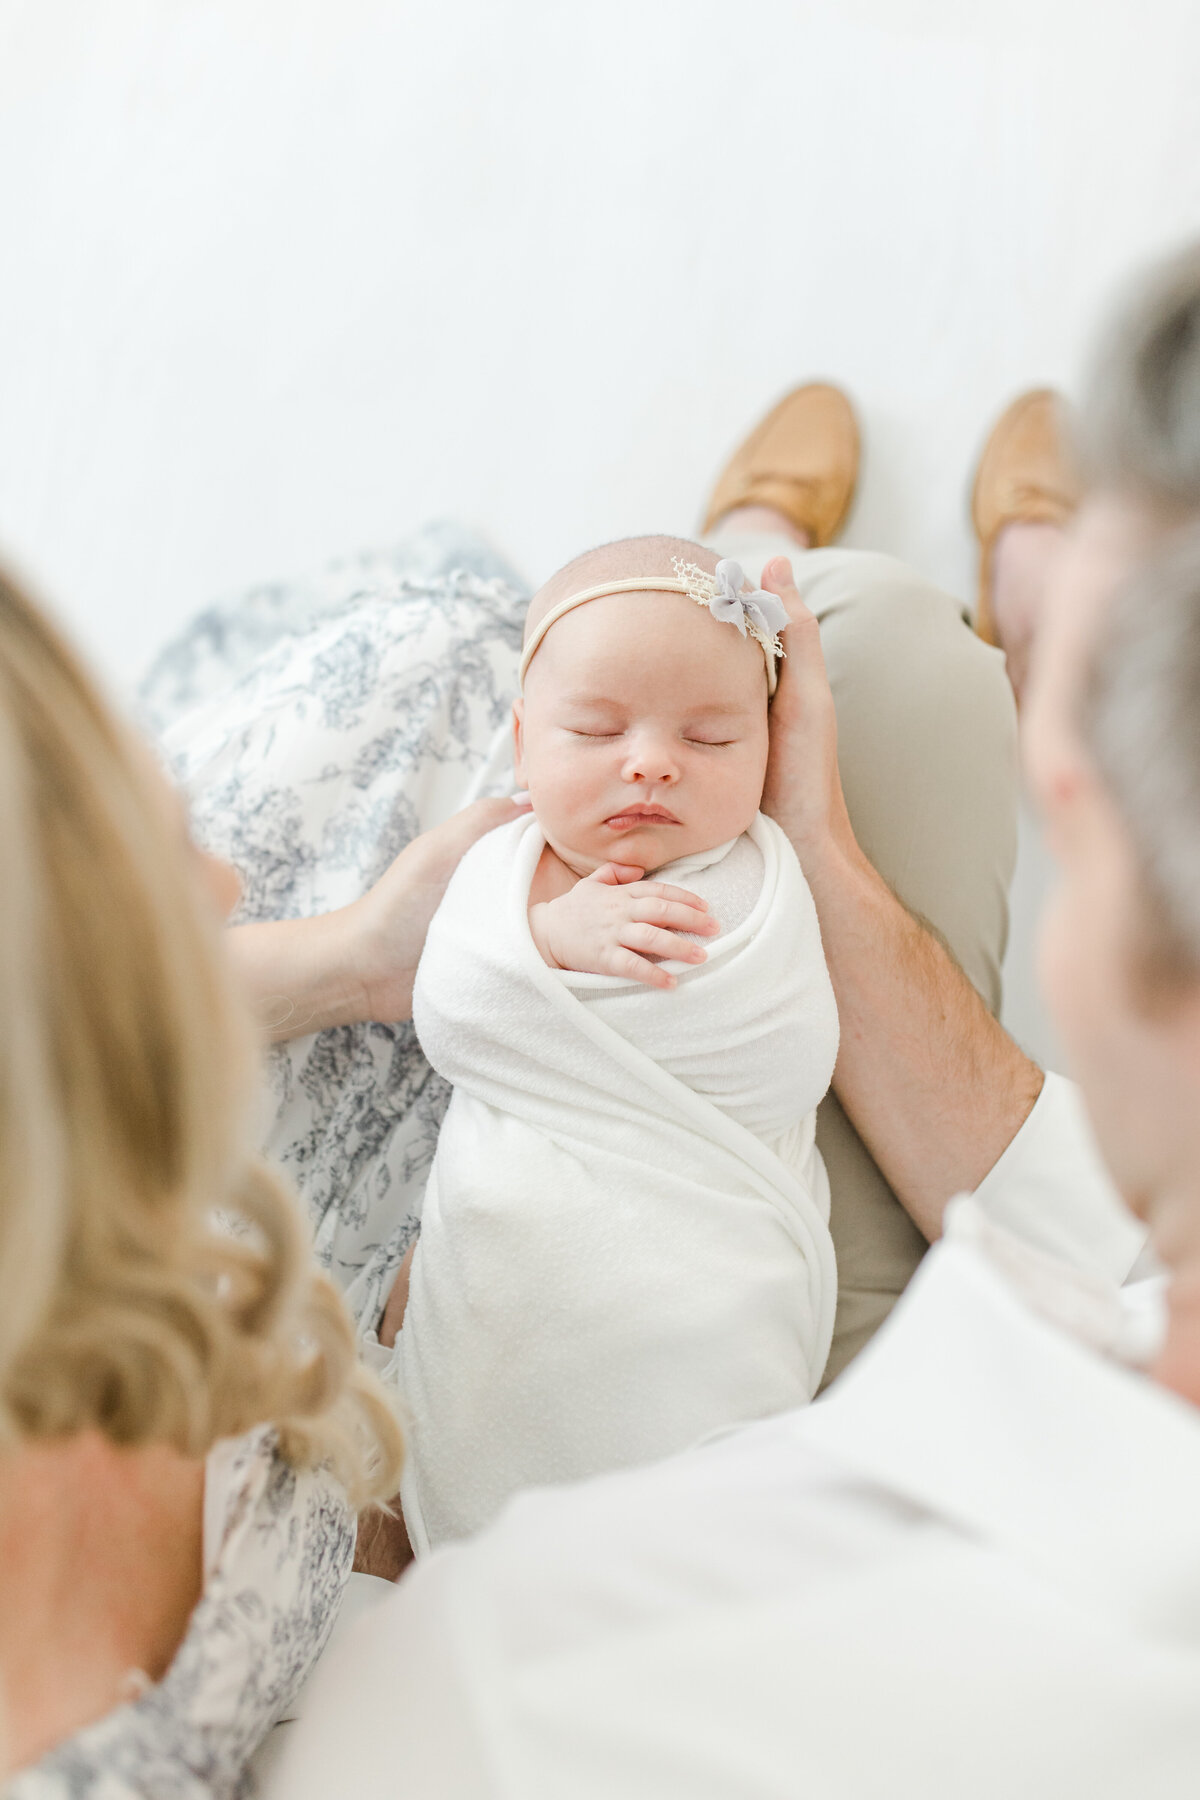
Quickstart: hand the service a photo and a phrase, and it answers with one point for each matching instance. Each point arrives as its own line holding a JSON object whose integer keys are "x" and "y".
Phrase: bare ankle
{"x": 758, "y": 521}
{"x": 1023, "y": 560}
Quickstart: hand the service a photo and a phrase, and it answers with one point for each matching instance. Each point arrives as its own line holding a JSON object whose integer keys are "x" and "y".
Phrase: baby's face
{"x": 642, "y": 732}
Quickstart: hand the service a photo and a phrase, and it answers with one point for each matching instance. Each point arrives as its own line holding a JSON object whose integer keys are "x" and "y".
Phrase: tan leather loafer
{"x": 1026, "y": 472}
{"x": 802, "y": 460}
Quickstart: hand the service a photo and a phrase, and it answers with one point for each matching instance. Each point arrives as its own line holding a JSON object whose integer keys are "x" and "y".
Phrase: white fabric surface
{"x": 362, "y": 1594}
{"x": 625, "y": 1238}
{"x": 971, "y": 1569}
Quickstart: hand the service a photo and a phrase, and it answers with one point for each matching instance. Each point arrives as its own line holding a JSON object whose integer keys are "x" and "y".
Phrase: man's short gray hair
{"x": 1140, "y": 437}
{"x": 1140, "y": 424}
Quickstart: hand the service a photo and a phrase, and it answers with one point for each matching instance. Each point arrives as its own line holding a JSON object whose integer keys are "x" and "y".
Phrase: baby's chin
{"x": 649, "y": 847}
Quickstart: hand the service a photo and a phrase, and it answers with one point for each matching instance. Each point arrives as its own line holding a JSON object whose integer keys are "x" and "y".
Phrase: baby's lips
{"x": 635, "y": 814}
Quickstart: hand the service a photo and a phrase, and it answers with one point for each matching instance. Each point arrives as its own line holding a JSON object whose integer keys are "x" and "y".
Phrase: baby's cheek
{"x": 744, "y": 787}
{"x": 561, "y": 804}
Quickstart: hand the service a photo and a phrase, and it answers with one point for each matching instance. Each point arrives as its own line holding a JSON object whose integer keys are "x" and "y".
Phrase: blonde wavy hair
{"x": 156, "y": 1283}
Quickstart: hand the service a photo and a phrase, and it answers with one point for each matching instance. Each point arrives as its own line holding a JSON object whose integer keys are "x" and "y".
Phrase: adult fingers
{"x": 778, "y": 579}
{"x": 457, "y": 833}
{"x": 802, "y": 791}
{"x": 802, "y": 674}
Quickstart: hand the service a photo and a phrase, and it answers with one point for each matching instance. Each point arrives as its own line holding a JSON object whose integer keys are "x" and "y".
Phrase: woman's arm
{"x": 934, "y": 1086}
{"x": 304, "y": 975}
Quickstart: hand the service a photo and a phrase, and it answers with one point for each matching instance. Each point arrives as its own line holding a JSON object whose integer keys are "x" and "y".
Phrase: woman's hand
{"x": 391, "y": 920}
{"x": 612, "y": 921}
{"x": 803, "y": 789}
{"x": 358, "y": 963}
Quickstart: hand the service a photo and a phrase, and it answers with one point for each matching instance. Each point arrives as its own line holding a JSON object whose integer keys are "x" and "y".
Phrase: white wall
{"x": 281, "y": 277}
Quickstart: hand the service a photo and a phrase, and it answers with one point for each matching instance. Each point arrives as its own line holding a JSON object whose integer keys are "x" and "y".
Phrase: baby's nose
{"x": 651, "y": 758}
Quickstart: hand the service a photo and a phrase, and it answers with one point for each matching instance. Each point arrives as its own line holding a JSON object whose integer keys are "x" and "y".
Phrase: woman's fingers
{"x": 482, "y": 816}
{"x": 388, "y": 924}
{"x": 436, "y": 853}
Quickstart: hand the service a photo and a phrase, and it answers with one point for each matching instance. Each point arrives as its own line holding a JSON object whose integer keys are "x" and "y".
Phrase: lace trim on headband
{"x": 758, "y": 613}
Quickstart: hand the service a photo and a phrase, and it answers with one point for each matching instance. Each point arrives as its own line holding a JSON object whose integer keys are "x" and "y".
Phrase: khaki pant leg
{"x": 927, "y": 751}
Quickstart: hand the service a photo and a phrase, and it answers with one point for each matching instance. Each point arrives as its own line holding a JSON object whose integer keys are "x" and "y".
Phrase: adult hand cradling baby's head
{"x": 642, "y": 731}
{"x": 803, "y": 790}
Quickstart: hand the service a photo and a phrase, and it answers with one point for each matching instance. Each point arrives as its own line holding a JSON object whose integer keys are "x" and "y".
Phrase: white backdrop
{"x": 284, "y": 277}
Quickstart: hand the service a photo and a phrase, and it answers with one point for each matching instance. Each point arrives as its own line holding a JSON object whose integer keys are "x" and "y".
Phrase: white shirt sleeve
{"x": 1051, "y": 1189}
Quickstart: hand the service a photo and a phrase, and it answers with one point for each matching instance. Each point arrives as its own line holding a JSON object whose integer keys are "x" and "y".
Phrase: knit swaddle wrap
{"x": 625, "y": 1238}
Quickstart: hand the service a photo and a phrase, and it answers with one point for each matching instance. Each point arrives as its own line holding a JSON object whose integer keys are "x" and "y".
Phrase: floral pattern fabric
{"x": 316, "y": 730}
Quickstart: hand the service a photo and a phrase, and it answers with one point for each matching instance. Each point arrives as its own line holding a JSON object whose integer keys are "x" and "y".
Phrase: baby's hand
{"x": 612, "y": 921}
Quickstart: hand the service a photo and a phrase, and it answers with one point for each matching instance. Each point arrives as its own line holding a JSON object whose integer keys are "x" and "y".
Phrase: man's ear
{"x": 518, "y": 739}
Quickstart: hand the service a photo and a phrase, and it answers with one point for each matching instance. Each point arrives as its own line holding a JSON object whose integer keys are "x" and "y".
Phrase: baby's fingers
{"x": 614, "y": 874}
{"x": 672, "y": 915}
{"x": 662, "y": 890}
{"x": 651, "y": 941}
{"x": 632, "y": 967}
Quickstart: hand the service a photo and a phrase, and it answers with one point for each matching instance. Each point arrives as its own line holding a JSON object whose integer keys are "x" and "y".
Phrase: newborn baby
{"x": 625, "y": 1242}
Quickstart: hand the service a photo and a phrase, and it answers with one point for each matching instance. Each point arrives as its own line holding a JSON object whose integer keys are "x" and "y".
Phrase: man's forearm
{"x": 934, "y": 1086}
{"x": 936, "y": 1089}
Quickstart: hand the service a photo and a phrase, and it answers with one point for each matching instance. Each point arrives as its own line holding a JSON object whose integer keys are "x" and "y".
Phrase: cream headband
{"x": 756, "y": 614}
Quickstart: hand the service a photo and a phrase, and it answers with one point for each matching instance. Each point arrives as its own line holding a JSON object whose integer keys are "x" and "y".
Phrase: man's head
{"x": 1113, "y": 753}
{"x": 642, "y": 731}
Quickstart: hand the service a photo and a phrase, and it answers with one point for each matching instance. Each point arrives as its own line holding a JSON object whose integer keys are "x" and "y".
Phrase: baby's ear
{"x": 518, "y": 739}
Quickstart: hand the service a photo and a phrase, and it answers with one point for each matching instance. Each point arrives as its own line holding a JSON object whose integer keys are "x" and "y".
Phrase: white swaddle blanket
{"x": 625, "y": 1240}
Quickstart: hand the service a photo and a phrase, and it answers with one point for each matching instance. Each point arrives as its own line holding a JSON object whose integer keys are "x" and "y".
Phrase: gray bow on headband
{"x": 733, "y": 607}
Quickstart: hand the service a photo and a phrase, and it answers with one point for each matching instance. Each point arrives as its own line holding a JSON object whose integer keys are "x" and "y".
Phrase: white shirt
{"x": 971, "y": 1572}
